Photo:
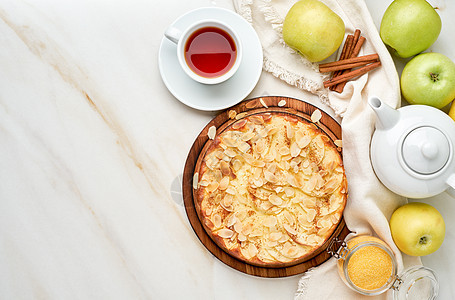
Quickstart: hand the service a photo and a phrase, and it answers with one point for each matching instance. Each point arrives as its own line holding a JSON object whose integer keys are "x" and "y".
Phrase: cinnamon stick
{"x": 339, "y": 87}
{"x": 358, "y": 45}
{"x": 346, "y": 48}
{"x": 344, "y": 69}
{"x": 349, "y": 50}
{"x": 356, "y": 39}
{"x": 328, "y": 67}
{"x": 347, "y": 66}
{"x": 351, "y": 74}
{"x": 349, "y": 55}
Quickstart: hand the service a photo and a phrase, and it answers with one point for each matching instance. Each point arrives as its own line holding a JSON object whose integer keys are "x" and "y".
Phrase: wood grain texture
{"x": 246, "y": 108}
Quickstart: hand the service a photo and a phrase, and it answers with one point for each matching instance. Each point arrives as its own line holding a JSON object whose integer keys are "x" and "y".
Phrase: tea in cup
{"x": 209, "y": 51}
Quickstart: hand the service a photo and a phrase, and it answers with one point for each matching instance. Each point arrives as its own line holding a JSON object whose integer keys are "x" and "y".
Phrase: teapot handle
{"x": 451, "y": 182}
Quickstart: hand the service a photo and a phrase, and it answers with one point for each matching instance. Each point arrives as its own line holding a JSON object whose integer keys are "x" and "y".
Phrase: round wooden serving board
{"x": 246, "y": 108}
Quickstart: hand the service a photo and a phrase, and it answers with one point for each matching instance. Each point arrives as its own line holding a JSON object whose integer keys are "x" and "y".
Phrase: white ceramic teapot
{"x": 412, "y": 149}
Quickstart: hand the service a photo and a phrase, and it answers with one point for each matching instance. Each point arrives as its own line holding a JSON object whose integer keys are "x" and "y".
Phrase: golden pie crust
{"x": 270, "y": 189}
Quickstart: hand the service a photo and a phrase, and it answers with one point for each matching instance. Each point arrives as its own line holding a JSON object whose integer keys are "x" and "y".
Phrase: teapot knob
{"x": 429, "y": 150}
{"x": 425, "y": 150}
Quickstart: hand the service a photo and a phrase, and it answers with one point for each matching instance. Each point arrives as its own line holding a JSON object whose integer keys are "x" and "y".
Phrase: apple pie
{"x": 270, "y": 189}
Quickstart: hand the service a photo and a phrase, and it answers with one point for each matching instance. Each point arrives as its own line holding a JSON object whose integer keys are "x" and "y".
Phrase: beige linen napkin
{"x": 370, "y": 204}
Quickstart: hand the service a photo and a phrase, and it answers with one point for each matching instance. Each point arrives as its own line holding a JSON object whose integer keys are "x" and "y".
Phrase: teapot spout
{"x": 387, "y": 117}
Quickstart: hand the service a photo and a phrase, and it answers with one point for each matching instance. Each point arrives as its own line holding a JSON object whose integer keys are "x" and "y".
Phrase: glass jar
{"x": 367, "y": 265}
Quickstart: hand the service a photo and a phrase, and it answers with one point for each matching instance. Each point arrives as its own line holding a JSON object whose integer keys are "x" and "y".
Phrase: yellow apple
{"x": 452, "y": 110}
{"x": 417, "y": 229}
{"x": 313, "y": 29}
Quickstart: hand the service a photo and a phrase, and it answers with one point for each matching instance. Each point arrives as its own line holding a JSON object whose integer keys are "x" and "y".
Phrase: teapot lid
{"x": 425, "y": 150}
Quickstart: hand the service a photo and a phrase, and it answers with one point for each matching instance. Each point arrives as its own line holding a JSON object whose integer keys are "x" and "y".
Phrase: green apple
{"x": 429, "y": 78}
{"x": 410, "y": 26}
{"x": 313, "y": 29}
{"x": 418, "y": 229}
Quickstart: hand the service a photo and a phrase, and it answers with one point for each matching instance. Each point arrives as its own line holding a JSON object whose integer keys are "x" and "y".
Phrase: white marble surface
{"x": 92, "y": 147}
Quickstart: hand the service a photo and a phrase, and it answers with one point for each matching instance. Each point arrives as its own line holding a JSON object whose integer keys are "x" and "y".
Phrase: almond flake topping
{"x": 238, "y": 227}
{"x": 236, "y": 164}
{"x": 242, "y": 237}
{"x": 231, "y": 220}
{"x": 212, "y": 186}
{"x": 270, "y": 177}
{"x": 263, "y": 132}
{"x": 211, "y": 132}
{"x": 257, "y": 120}
{"x": 230, "y": 190}
{"x": 284, "y": 150}
{"x": 289, "y": 217}
{"x": 227, "y": 208}
{"x": 304, "y": 141}
{"x": 258, "y": 163}
{"x": 273, "y": 186}
{"x": 316, "y": 116}
{"x": 203, "y": 183}
{"x": 217, "y": 220}
{"x": 252, "y": 250}
{"x": 263, "y": 103}
{"x": 275, "y": 236}
{"x": 251, "y": 104}
{"x": 231, "y": 114}
{"x": 275, "y": 200}
{"x": 240, "y": 115}
{"x": 230, "y": 152}
{"x": 289, "y": 229}
{"x": 225, "y": 233}
{"x": 227, "y": 200}
{"x": 247, "y": 136}
{"x": 291, "y": 251}
{"x": 270, "y": 221}
{"x": 295, "y": 150}
{"x": 260, "y": 145}
{"x": 224, "y": 183}
{"x": 334, "y": 219}
{"x": 195, "y": 180}
{"x": 208, "y": 211}
{"x": 282, "y": 103}
{"x": 244, "y": 147}
{"x": 239, "y": 124}
{"x": 290, "y": 132}
{"x": 311, "y": 215}
{"x": 224, "y": 167}
{"x": 289, "y": 191}
{"x": 267, "y": 116}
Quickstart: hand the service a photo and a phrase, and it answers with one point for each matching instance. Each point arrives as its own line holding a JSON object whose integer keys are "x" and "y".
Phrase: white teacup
{"x": 209, "y": 51}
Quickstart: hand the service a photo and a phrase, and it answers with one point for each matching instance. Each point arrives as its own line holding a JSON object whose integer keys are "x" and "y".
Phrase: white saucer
{"x": 222, "y": 95}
